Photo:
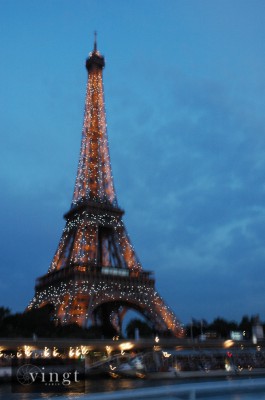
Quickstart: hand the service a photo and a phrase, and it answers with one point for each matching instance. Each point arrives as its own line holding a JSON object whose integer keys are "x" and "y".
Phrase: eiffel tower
{"x": 95, "y": 276}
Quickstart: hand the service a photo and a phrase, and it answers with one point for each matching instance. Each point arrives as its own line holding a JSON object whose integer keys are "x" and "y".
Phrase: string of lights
{"x": 142, "y": 296}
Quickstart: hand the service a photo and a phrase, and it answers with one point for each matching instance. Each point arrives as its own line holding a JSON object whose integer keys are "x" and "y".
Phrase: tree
{"x": 4, "y": 312}
{"x": 38, "y": 321}
{"x": 223, "y": 327}
{"x": 246, "y": 326}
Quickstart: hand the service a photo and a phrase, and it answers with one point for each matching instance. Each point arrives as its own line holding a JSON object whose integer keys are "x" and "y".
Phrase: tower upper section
{"x": 94, "y": 181}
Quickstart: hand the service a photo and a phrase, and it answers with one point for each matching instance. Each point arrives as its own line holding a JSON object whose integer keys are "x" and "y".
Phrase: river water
{"x": 115, "y": 389}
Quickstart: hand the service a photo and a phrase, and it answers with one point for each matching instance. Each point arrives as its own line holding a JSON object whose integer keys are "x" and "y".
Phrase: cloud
{"x": 192, "y": 187}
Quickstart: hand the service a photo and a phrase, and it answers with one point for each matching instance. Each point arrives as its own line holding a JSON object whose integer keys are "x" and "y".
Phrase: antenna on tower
{"x": 95, "y": 41}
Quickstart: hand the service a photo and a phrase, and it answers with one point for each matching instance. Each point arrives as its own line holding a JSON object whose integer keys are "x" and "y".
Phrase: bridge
{"x": 113, "y": 345}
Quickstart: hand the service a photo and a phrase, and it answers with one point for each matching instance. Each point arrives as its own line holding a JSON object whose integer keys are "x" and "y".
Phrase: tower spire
{"x": 94, "y": 180}
{"x": 95, "y": 41}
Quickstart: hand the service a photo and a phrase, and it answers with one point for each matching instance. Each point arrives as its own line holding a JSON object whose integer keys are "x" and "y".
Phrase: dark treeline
{"x": 40, "y": 323}
{"x": 221, "y": 328}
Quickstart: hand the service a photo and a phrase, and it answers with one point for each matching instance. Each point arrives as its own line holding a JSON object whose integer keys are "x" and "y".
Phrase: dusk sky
{"x": 185, "y": 95}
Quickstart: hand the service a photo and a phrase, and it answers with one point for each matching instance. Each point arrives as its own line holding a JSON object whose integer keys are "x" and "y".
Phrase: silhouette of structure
{"x": 95, "y": 276}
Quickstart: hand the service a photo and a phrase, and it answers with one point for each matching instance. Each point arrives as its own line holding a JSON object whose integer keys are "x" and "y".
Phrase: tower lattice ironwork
{"x": 95, "y": 276}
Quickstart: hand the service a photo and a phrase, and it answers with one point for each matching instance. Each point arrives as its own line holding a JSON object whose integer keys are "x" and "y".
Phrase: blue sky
{"x": 185, "y": 93}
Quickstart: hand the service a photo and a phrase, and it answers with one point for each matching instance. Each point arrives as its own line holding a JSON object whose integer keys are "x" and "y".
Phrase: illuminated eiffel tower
{"x": 95, "y": 276}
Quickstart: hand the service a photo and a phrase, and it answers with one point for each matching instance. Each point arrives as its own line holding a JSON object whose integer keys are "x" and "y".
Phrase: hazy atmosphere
{"x": 184, "y": 94}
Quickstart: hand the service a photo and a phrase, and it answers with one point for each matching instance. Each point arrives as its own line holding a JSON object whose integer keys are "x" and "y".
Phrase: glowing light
{"x": 27, "y": 351}
{"x": 71, "y": 352}
{"x": 19, "y": 353}
{"x": 55, "y": 352}
{"x": 126, "y": 346}
{"x": 228, "y": 343}
{"x": 85, "y": 350}
{"x": 46, "y": 352}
